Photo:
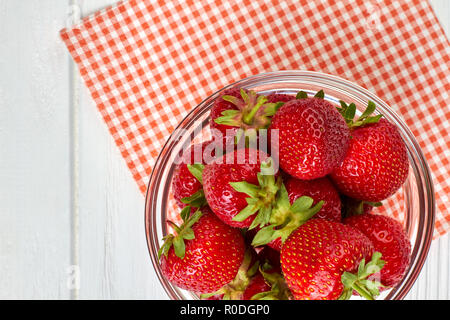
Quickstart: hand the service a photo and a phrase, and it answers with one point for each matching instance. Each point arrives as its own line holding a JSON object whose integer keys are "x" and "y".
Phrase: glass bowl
{"x": 413, "y": 205}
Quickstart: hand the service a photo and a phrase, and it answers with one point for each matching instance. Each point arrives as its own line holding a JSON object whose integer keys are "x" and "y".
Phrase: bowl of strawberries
{"x": 290, "y": 185}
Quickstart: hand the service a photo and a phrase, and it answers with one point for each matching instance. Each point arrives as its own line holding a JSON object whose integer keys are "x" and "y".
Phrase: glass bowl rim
{"x": 429, "y": 187}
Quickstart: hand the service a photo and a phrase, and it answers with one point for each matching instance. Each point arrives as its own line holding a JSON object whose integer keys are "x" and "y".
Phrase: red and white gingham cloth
{"x": 147, "y": 63}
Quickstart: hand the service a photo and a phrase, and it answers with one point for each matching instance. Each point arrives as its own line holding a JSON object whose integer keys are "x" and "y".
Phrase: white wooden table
{"x": 68, "y": 204}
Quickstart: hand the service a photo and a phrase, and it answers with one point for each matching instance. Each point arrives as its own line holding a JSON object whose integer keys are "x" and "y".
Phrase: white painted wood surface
{"x": 66, "y": 196}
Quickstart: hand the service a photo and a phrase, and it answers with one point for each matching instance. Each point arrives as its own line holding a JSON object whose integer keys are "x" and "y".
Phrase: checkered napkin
{"x": 147, "y": 63}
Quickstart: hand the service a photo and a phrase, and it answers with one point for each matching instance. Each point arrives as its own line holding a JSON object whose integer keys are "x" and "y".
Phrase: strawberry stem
{"x": 349, "y": 112}
{"x": 174, "y": 226}
{"x": 248, "y": 118}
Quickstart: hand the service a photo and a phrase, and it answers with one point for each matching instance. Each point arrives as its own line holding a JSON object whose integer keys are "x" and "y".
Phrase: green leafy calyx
{"x": 261, "y": 197}
{"x": 303, "y": 95}
{"x": 196, "y": 200}
{"x": 182, "y": 233}
{"x": 369, "y": 289}
{"x": 196, "y": 170}
{"x": 253, "y": 111}
{"x": 348, "y": 111}
{"x": 285, "y": 217}
{"x": 357, "y": 207}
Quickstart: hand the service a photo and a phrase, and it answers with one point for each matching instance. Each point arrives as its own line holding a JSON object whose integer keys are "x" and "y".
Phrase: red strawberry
{"x": 237, "y": 190}
{"x": 317, "y": 189}
{"x": 204, "y": 255}
{"x": 388, "y": 238}
{"x": 313, "y": 137}
{"x": 186, "y": 181}
{"x": 279, "y": 97}
{"x": 376, "y": 164}
{"x": 321, "y": 254}
{"x": 257, "y": 285}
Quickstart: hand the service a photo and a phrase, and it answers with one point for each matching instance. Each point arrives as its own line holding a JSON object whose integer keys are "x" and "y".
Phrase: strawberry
{"x": 204, "y": 255}
{"x": 388, "y": 238}
{"x": 317, "y": 189}
{"x": 224, "y": 132}
{"x": 240, "y": 187}
{"x": 241, "y": 109}
{"x": 257, "y": 285}
{"x": 268, "y": 283}
{"x": 313, "y": 137}
{"x": 376, "y": 164}
{"x": 235, "y": 289}
{"x": 187, "y": 181}
{"x": 320, "y": 258}
{"x": 220, "y": 106}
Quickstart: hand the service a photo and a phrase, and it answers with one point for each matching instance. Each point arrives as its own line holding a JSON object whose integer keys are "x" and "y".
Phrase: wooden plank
{"x": 113, "y": 256}
{"x": 35, "y": 189}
